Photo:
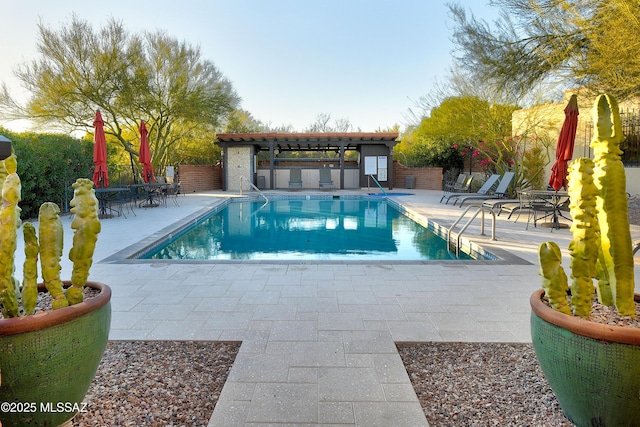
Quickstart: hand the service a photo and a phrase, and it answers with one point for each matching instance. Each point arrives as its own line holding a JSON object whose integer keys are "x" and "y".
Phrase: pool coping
{"x": 496, "y": 255}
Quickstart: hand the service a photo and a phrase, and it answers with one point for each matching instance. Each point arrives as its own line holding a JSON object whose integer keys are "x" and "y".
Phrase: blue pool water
{"x": 306, "y": 229}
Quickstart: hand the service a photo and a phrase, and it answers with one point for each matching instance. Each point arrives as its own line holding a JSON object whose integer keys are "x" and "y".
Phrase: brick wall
{"x": 200, "y": 178}
{"x": 209, "y": 177}
{"x": 425, "y": 178}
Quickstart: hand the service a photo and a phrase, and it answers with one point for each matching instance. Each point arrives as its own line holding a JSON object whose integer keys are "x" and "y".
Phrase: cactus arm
{"x": 554, "y": 279}
{"x": 9, "y": 220}
{"x": 609, "y": 177}
{"x": 87, "y": 226}
{"x": 50, "y": 252}
{"x": 30, "y": 269}
{"x": 584, "y": 248}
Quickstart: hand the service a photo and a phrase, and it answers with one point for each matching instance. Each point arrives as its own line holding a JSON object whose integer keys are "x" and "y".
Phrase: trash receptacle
{"x": 262, "y": 184}
{"x": 411, "y": 181}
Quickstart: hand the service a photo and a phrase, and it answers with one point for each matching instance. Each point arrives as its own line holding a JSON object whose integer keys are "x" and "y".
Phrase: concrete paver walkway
{"x": 318, "y": 339}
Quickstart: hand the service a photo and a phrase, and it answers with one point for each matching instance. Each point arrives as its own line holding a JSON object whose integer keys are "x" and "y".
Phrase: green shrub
{"x": 48, "y": 164}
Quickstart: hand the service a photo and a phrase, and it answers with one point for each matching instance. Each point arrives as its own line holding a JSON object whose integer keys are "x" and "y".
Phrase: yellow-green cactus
{"x": 601, "y": 245}
{"x": 609, "y": 178}
{"x": 554, "y": 279}
{"x": 9, "y": 221}
{"x": 30, "y": 268}
{"x": 585, "y": 247}
{"x": 87, "y": 226}
{"x": 51, "y": 241}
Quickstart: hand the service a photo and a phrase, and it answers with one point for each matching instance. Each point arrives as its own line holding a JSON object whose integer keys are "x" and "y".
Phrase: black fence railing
{"x": 630, "y": 146}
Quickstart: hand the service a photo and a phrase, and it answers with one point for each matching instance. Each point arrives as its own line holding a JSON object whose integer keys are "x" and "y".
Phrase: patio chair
{"x": 295, "y": 178}
{"x": 120, "y": 201}
{"x": 539, "y": 207}
{"x": 485, "y": 189}
{"x": 501, "y": 191}
{"x": 172, "y": 190}
{"x": 325, "y": 178}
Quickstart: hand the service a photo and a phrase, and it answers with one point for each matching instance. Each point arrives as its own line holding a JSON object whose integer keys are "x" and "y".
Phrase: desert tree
{"x": 591, "y": 43}
{"x": 129, "y": 77}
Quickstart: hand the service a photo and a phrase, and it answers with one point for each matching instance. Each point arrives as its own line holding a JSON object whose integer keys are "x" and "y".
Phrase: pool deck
{"x": 318, "y": 338}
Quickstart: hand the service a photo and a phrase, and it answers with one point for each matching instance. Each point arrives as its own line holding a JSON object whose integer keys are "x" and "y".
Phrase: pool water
{"x": 306, "y": 229}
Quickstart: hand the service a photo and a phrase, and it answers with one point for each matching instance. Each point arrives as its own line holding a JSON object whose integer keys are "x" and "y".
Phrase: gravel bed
{"x": 166, "y": 383}
{"x": 157, "y": 383}
{"x": 481, "y": 384}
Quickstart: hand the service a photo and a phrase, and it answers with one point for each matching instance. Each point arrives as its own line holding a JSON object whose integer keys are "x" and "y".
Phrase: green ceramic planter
{"x": 48, "y": 360}
{"x": 592, "y": 368}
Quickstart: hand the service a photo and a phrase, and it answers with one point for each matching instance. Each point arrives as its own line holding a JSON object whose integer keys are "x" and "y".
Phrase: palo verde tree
{"x": 591, "y": 43}
{"x": 457, "y": 122}
{"x": 129, "y": 77}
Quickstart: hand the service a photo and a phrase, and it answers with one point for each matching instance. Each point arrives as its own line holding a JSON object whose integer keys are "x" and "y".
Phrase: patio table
{"x": 104, "y": 196}
{"x": 152, "y": 193}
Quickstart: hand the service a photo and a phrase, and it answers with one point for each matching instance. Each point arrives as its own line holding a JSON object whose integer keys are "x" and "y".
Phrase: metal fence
{"x": 631, "y": 144}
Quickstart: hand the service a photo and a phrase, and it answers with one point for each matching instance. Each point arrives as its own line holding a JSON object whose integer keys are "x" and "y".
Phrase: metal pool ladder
{"x": 479, "y": 209}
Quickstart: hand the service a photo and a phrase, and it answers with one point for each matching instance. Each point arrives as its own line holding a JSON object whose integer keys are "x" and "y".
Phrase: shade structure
{"x": 566, "y": 142}
{"x": 145, "y": 155}
{"x": 100, "y": 171}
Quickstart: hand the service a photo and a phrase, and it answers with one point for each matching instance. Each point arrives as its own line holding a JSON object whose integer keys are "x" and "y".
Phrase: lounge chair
{"x": 460, "y": 186}
{"x": 325, "y": 178}
{"x": 295, "y": 178}
{"x": 502, "y": 205}
{"x": 485, "y": 189}
{"x": 455, "y": 186}
{"x": 501, "y": 191}
{"x": 519, "y": 204}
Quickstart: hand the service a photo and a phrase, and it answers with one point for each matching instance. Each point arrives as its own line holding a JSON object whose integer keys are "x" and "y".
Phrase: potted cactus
{"x": 592, "y": 367}
{"x": 48, "y": 358}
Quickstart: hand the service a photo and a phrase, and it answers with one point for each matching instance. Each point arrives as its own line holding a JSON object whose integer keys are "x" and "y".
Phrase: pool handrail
{"x": 255, "y": 188}
{"x": 378, "y": 184}
{"x": 480, "y": 209}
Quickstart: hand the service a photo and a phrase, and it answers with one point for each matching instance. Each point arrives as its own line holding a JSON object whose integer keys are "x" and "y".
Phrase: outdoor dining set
{"x": 148, "y": 194}
{"x": 115, "y": 200}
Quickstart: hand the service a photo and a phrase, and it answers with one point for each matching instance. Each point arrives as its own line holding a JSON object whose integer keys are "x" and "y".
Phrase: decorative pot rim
{"x": 49, "y": 318}
{"x": 583, "y": 327}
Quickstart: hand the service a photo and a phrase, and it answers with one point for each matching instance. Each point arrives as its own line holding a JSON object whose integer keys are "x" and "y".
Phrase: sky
{"x": 367, "y": 61}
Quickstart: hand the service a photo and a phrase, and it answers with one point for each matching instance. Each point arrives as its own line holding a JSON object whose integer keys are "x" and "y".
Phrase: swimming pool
{"x": 304, "y": 228}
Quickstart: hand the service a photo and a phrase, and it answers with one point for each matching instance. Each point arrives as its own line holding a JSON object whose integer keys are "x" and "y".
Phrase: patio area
{"x": 318, "y": 338}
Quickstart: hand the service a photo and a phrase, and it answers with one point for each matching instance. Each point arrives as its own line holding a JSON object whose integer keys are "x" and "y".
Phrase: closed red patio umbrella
{"x": 145, "y": 155}
{"x": 100, "y": 172}
{"x": 566, "y": 142}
